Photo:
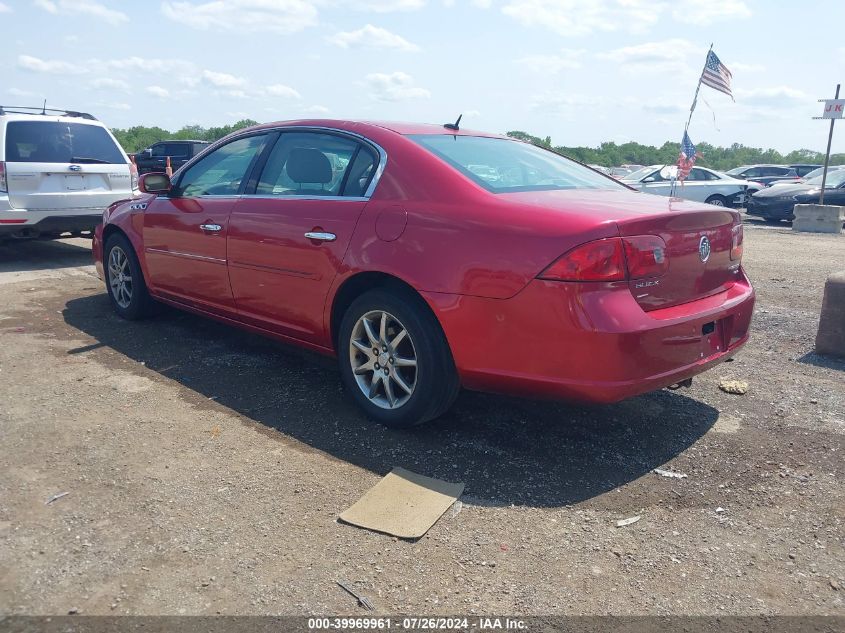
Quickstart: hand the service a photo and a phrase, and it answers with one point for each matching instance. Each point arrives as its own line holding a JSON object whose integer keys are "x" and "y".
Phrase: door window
{"x": 222, "y": 172}
{"x": 315, "y": 164}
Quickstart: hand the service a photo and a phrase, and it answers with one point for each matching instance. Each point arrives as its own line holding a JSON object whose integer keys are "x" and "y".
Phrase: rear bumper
{"x": 33, "y": 224}
{"x": 589, "y": 342}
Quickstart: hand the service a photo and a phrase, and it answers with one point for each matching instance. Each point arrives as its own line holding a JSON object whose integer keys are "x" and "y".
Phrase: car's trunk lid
{"x": 698, "y": 248}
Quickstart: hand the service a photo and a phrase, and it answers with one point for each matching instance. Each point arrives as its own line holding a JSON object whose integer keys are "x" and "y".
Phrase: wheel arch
{"x": 359, "y": 283}
{"x": 114, "y": 229}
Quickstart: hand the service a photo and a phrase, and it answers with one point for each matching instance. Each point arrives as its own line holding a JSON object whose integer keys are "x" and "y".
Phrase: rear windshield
{"x": 501, "y": 165}
{"x": 55, "y": 142}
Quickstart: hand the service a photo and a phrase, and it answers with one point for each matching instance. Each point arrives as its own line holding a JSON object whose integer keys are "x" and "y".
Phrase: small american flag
{"x": 716, "y": 75}
{"x": 686, "y": 158}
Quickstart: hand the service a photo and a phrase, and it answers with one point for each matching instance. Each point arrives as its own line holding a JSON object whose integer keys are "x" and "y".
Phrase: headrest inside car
{"x": 307, "y": 165}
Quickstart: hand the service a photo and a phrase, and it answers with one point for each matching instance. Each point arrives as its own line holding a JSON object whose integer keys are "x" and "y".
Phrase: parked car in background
{"x": 154, "y": 158}
{"x": 804, "y": 169}
{"x": 763, "y": 174}
{"x": 702, "y": 185}
{"x": 620, "y": 172}
{"x": 59, "y": 170}
{"x": 430, "y": 240}
{"x": 813, "y": 174}
{"x": 600, "y": 168}
{"x": 778, "y": 203}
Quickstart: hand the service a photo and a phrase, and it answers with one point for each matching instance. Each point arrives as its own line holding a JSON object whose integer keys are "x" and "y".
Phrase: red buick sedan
{"x": 428, "y": 258}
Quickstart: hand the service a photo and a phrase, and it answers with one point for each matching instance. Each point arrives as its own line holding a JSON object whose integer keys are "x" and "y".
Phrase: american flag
{"x": 716, "y": 75}
{"x": 686, "y": 158}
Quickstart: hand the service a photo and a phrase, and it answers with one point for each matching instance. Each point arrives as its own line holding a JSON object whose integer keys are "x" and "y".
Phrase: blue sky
{"x": 582, "y": 72}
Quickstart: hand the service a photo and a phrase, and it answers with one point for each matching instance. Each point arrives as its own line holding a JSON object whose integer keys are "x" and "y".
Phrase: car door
{"x": 695, "y": 187}
{"x": 185, "y": 231}
{"x": 288, "y": 237}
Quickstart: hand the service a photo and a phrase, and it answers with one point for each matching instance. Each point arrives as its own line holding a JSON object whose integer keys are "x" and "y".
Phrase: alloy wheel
{"x": 120, "y": 277}
{"x": 383, "y": 359}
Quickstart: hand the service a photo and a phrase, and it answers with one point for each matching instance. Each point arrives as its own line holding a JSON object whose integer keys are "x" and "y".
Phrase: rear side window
{"x": 55, "y": 142}
{"x": 502, "y": 165}
{"x": 309, "y": 164}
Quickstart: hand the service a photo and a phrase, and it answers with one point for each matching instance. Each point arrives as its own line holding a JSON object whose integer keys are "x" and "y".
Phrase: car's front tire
{"x": 124, "y": 279}
{"x": 394, "y": 359}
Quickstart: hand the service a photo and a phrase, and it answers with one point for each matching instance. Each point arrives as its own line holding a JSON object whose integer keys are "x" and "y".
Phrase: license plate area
{"x": 74, "y": 183}
{"x": 715, "y": 336}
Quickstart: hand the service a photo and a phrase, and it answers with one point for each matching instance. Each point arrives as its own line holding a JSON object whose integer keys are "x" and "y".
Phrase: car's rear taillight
{"x": 736, "y": 243}
{"x": 646, "y": 256}
{"x": 133, "y": 174}
{"x": 3, "y": 187}
{"x": 601, "y": 260}
{"x": 611, "y": 259}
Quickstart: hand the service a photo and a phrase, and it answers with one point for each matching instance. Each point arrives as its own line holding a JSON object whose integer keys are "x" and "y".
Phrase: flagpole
{"x": 697, "y": 88}
{"x": 692, "y": 109}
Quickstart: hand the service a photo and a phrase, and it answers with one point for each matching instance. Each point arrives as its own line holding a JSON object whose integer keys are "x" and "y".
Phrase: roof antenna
{"x": 44, "y": 108}
{"x": 454, "y": 126}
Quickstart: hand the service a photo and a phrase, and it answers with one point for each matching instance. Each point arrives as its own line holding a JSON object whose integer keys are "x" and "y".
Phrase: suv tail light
{"x": 736, "y": 242}
{"x": 601, "y": 260}
{"x": 3, "y": 187}
{"x": 611, "y": 259}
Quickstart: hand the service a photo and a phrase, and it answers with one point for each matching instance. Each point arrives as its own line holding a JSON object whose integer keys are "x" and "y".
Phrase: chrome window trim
{"x": 371, "y": 188}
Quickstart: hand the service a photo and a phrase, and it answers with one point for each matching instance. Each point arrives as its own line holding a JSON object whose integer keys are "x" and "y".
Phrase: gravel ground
{"x": 206, "y": 467}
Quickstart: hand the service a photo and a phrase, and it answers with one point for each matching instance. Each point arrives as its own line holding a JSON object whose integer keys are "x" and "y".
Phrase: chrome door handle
{"x": 213, "y": 228}
{"x": 320, "y": 236}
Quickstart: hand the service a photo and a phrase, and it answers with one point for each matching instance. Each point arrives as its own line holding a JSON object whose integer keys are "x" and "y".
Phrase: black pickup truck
{"x": 154, "y": 158}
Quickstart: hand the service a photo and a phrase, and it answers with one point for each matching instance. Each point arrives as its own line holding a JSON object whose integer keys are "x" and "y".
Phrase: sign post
{"x": 833, "y": 109}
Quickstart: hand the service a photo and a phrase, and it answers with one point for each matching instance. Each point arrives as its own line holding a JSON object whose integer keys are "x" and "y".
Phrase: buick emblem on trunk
{"x": 704, "y": 249}
{"x": 74, "y": 167}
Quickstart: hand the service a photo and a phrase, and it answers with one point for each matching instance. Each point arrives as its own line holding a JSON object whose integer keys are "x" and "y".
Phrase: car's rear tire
{"x": 717, "y": 200}
{"x": 395, "y": 360}
{"x": 124, "y": 279}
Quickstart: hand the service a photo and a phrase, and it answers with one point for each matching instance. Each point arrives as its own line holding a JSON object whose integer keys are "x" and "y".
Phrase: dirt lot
{"x": 206, "y": 468}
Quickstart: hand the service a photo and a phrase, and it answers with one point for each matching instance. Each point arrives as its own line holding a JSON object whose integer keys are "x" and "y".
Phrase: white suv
{"x": 59, "y": 170}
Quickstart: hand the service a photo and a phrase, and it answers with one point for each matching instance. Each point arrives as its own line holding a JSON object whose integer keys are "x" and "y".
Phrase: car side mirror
{"x": 154, "y": 183}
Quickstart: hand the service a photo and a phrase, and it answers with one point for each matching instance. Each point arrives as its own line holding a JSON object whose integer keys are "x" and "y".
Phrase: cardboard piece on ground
{"x": 403, "y": 504}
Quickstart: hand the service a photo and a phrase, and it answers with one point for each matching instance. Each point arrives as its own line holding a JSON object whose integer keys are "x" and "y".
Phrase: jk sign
{"x": 834, "y": 109}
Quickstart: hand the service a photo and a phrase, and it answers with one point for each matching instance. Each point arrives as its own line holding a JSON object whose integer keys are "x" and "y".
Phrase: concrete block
{"x": 830, "y": 339}
{"x": 818, "y": 218}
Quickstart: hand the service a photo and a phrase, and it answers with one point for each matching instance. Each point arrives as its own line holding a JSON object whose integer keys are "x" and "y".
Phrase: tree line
{"x": 608, "y": 154}
{"x": 719, "y": 158}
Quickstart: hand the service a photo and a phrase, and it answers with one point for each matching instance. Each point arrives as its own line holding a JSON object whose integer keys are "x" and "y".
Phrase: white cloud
{"x": 706, "y": 12}
{"x": 387, "y": 6}
{"x": 279, "y": 16}
{"x": 114, "y": 106}
{"x": 237, "y": 94}
{"x": 748, "y": 68}
{"x": 50, "y": 66}
{"x": 281, "y": 90}
{"x": 654, "y": 56}
{"x": 5, "y": 8}
{"x": 574, "y": 17}
{"x": 83, "y": 7}
{"x": 17, "y": 92}
{"x": 317, "y": 109}
{"x": 158, "y": 91}
{"x": 371, "y": 36}
{"x": 482, "y": 4}
{"x": 560, "y": 103}
{"x": 551, "y": 64}
{"x": 223, "y": 80}
{"x": 108, "y": 83}
{"x": 775, "y": 97}
{"x": 396, "y": 86}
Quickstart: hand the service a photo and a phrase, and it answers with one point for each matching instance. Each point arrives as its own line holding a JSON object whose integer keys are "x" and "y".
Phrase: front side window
{"x": 56, "y": 142}
{"x": 502, "y": 165}
{"x": 221, "y": 172}
{"x": 315, "y": 164}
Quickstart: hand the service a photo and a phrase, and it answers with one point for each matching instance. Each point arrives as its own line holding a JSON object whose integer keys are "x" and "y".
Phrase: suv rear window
{"x": 55, "y": 142}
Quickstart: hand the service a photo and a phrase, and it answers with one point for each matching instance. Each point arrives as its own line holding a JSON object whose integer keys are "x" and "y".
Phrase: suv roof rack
{"x": 44, "y": 111}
